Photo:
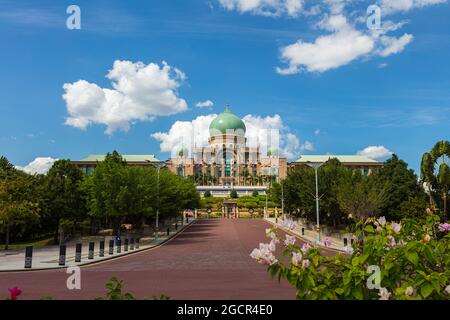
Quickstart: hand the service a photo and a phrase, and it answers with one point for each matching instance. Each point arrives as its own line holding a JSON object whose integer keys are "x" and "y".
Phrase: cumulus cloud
{"x": 205, "y": 104}
{"x": 40, "y": 165}
{"x": 343, "y": 45}
{"x": 139, "y": 92}
{"x": 264, "y": 132}
{"x": 375, "y": 152}
{"x": 272, "y": 8}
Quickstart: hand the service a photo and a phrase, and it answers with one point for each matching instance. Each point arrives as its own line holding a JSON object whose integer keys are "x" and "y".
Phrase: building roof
{"x": 126, "y": 157}
{"x": 226, "y": 122}
{"x": 341, "y": 158}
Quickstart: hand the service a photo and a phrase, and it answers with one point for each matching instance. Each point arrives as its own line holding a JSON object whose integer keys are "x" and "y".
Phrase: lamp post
{"x": 158, "y": 166}
{"x": 316, "y": 166}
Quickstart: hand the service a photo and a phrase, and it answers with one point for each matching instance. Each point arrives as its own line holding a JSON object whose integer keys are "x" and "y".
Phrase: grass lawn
{"x": 38, "y": 243}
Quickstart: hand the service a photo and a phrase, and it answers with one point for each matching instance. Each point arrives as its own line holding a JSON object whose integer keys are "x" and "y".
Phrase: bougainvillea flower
{"x": 14, "y": 292}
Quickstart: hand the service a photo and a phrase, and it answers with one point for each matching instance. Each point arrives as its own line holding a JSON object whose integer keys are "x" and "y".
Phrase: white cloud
{"x": 375, "y": 152}
{"x": 265, "y": 132}
{"x": 205, "y": 104}
{"x": 394, "y": 45}
{"x": 343, "y": 45}
{"x": 272, "y": 8}
{"x": 139, "y": 93}
{"x": 40, "y": 165}
{"x": 393, "y": 6}
{"x": 308, "y": 146}
{"x": 317, "y": 132}
{"x": 185, "y": 133}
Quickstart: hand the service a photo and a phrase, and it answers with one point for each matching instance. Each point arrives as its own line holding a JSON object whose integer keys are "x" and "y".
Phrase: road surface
{"x": 209, "y": 260}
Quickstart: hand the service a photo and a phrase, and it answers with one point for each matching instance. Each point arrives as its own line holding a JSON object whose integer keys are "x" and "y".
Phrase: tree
{"x": 438, "y": 183}
{"x": 358, "y": 197}
{"x": 207, "y": 194}
{"x": 17, "y": 208}
{"x": 63, "y": 198}
{"x": 400, "y": 184}
{"x": 233, "y": 194}
{"x": 108, "y": 191}
{"x": 255, "y": 193}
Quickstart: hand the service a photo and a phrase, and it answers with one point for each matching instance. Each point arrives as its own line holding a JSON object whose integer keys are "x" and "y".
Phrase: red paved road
{"x": 209, "y": 260}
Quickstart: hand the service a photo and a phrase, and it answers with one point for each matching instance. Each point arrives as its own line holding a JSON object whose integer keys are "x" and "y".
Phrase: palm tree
{"x": 437, "y": 183}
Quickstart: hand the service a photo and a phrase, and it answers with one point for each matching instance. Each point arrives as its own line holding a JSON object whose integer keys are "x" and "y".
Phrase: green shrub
{"x": 413, "y": 258}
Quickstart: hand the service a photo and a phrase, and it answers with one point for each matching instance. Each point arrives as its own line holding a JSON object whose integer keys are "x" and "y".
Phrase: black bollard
{"x": 62, "y": 255}
{"x": 303, "y": 231}
{"x": 28, "y": 256}
{"x": 132, "y": 244}
{"x": 78, "y": 252}
{"x": 187, "y": 219}
{"x": 111, "y": 247}
{"x": 101, "y": 252}
{"x": 119, "y": 246}
{"x": 176, "y": 226}
{"x": 125, "y": 246}
{"x": 91, "y": 250}
{"x": 137, "y": 243}
{"x": 168, "y": 231}
{"x": 345, "y": 242}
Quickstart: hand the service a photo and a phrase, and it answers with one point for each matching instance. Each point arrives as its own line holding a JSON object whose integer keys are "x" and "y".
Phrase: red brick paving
{"x": 209, "y": 260}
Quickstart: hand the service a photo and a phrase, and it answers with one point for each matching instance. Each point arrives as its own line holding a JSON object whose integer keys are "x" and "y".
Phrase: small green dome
{"x": 182, "y": 151}
{"x": 272, "y": 151}
{"x": 227, "y": 121}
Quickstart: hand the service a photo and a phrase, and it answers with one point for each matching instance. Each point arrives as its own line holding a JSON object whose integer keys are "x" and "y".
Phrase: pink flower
{"x": 381, "y": 221}
{"x": 264, "y": 254}
{"x": 384, "y": 294}
{"x": 396, "y": 227}
{"x": 447, "y": 289}
{"x": 327, "y": 242}
{"x": 305, "y": 263}
{"x": 305, "y": 247}
{"x": 288, "y": 224}
{"x": 409, "y": 291}
{"x": 296, "y": 258}
{"x": 290, "y": 240}
{"x": 14, "y": 292}
{"x": 444, "y": 227}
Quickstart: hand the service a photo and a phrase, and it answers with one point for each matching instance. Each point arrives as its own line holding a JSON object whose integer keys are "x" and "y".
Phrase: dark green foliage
{"x": 207, "y": 194}
{"x": 233, "y": 194}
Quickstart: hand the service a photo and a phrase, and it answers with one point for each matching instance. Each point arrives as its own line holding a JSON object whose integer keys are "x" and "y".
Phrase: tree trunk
{"x": 7, "y": 237}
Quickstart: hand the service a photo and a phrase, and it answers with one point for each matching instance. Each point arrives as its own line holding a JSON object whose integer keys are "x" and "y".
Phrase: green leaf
{"x": 412, "y": 257}
{"x": 426, "y": 289}
{"x": 339, "y": 291}
{"x": 357, "y": 292}
{"x": 369, "y": 228}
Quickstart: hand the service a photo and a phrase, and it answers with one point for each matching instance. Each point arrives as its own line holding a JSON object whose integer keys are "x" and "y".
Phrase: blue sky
{"x": 384, "y": 93}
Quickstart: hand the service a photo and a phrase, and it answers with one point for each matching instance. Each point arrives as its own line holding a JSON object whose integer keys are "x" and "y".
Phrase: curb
{"x": 106, "y": 259}
{"x": 307, "y": 240}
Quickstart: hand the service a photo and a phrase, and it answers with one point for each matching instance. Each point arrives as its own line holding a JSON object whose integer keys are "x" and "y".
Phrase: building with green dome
{"x": 228, "y": 162}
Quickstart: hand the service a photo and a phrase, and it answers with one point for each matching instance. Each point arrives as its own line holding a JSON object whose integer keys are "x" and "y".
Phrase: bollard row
{"x": 132, "y": 243}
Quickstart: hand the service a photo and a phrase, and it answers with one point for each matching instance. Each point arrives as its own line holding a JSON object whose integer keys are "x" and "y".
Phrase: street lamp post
{"x": 158, "y": 166}
{"x": 316, "y": 166}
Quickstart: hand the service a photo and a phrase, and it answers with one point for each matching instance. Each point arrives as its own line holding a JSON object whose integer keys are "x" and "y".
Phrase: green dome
{"x": 182, "y": 151}
{"x": 272, "y": 151}
{"x": 226, "y": 121}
